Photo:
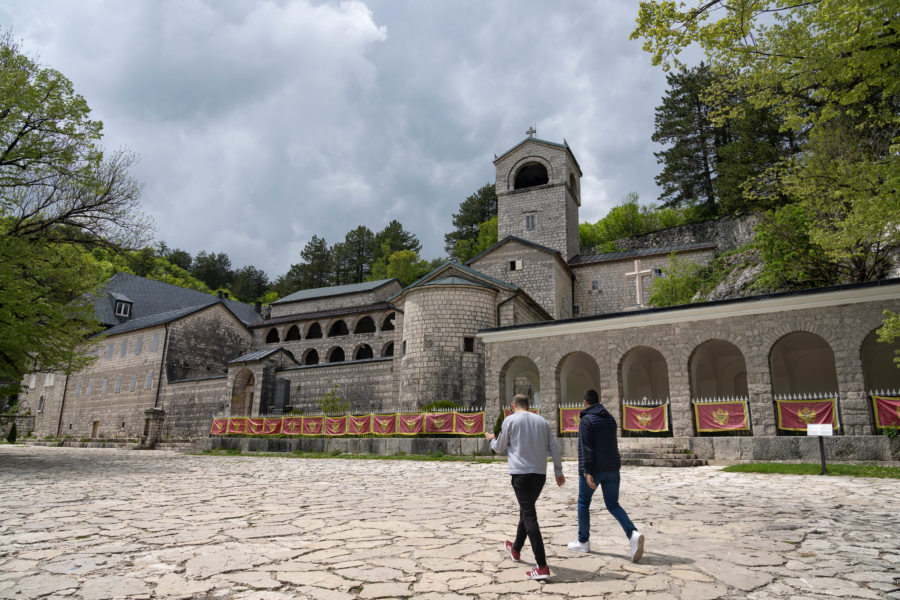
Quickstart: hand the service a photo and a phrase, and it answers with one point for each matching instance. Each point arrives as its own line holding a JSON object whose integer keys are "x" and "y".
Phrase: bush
{"x": 441, "y": 405}
{"x": 679, "y": 284}
{"x": 11, "y": 436}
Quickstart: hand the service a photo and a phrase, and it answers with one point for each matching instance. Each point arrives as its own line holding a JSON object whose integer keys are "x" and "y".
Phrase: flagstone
{"x": 323, "y": 579}
{"x": 34, "y": 586}
{"x": 171, "y": 585}
{"x": 374, "y": 574}
{"x": 384, "y": 590}
{"x": 697, "y": 590}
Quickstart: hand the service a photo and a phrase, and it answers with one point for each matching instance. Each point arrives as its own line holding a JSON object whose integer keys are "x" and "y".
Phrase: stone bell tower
{"x": 538, "y": 194}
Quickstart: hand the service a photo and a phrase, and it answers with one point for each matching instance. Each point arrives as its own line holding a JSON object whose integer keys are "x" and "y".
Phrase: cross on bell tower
{"x": 531, "y": 132}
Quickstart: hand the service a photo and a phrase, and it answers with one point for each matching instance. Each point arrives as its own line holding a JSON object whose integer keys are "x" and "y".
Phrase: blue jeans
{"x": 608, "y": 482}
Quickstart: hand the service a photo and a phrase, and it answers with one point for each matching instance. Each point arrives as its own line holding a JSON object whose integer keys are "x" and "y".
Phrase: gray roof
{"x": 455, "y": 281}
{"x": 584, "y": 259}
{"x": 155, "y": 302}
{"x": 426, "y": 279}
{"x": 335, "y": 290}
{"x": 260, "y": 355}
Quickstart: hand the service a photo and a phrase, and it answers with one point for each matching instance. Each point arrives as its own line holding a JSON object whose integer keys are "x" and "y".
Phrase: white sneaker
{"x": 580, "y": 546}
{"x": 637, "y": 546}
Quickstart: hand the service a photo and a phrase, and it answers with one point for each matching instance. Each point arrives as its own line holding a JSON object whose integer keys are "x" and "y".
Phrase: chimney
{"x": 258, "y": 307}
{"x": 220, "y": 294}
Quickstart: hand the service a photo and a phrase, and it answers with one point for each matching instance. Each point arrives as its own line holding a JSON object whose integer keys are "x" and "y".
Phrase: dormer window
{"x": 123, "y": 309}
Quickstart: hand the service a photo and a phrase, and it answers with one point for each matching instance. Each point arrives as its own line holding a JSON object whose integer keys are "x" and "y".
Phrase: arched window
{"x": 802, "y": 363}
{"x": 643, "y": 373}
{"x": 293, "y": 334}
{"x": 315, "y": 332}
{"x": 336, "y": 355}
{"x": 717, "y": 369}
{"x": 388, "y": 324}
{"x": 272, "y": 336}
{"x": 311, "y": 358}
{"x": 365, "y": 325}
{"x": 531, "y": 175}
{"x": 363, "y": 352}
{"x": 338, "y": 328}
{"x": 388, "y": 349}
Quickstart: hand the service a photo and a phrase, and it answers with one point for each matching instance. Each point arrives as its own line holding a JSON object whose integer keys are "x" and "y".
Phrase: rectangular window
{"x": 576, "y": 310}
{"x": 49, "y": 380}
{"x": 530, "y": 221}
{"x": 138, "y": 344}
{"x": 77, "y": 388}
{"x": 41, "y": 405}
{"x": 155, "y": 344}
{"x": 595, "y": 285}
{"x": 468, "y": 344}
{"x": 133, "y": 383}
{"x": 149, "y": 382}
{"x": 90, "y": 387}
{"x": 403, "y": 348}
{"x": 109, "y": 351}
{"x": 123, "y": 309}
{"x": 118, "y": 384}
{"x": 124, "y": 347}
{"x": 103, "y": 386}
{"x": 657, "y": 272}
{"x": 515, "y": 265}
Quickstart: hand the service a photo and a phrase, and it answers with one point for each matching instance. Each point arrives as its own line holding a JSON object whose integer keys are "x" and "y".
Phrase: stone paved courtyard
{"x": 91, "y": 524}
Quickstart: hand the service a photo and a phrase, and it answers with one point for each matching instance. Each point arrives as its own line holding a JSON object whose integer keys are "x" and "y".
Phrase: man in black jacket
{"x": 599, "y": 464}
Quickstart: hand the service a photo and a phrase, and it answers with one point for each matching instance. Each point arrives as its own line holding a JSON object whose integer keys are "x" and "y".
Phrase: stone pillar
{"x": 854, "y": 401}
{"x": 153, "y": 420}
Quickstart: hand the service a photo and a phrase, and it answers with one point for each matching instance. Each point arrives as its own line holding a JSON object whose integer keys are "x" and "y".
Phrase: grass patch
{"x": 838, "y": 470}
{"x": 434, "y": 457}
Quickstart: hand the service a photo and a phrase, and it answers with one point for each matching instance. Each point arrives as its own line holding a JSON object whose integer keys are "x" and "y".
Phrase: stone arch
{"x": 310, "y": 357}
{"x": 363, "y": 352}
{"x": 801, "y": 362}
{"x": 388, "y": 349}
{"x": 293, "y": 334}
{"x": 576, "y": 373}
{"x": 879, "y": 370}
{"x": 336, "y": 355}
{"x": 643, "y": 373}
{"x": 242, "y": 393}
{"x": 338, "y": 328}
{"x": 272, "y": 336}
{"x": 717, "y": 368}
{"x": 314, "y": 332}
{"x": 520, "y": 375}
{"x": 531, "y": 174}
{"x": 388, "y": 323}
{"x": 365, "y": 325}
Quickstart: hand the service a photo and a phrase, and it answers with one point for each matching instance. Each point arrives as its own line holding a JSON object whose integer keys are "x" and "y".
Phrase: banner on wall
{"x": 336, "y": 425}
{"x": 410, "y": 424}
{"x": 887, "y": 411}
{"x": 292, "y": 425}
{"x": 272, "y": 427}
{"x": 721, "y": 416}
{"x": 313, "y": 425}
{"x": 569, "y": 419}
{"x": 255, "y": 426}
{"x": 359, "y": 425}
{"x": 237, "y": 425}
{"x": 795, "y": 415}
{"x": 438, "y": 422}
{"x": 219, "y": 427}
{"x": 653, "y": 419}
{"x": 468, "y": 423}
{"x": 384, "y": 424}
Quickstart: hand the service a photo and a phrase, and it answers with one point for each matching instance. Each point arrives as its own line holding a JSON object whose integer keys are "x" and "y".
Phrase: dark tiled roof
{"x": 260, "y": 355}
{"x": 334, "y": 312}
{"x": 476, "y": 275}
{"x": 335, "y": 290}
{"x": 455, "y": 281}
{"x": 588, "y": 259}
{"x": 155, "y": 302}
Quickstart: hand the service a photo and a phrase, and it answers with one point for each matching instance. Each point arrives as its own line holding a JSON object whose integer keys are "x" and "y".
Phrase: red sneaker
{"x": 512, "y": 551}
{"x": 537, "y": 572}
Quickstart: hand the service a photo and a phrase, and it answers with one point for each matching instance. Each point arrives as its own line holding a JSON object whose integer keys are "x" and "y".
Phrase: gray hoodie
{"x": 528, "y": 440}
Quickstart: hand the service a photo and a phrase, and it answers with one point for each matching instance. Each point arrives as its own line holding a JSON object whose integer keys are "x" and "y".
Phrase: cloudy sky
{"x": 261, "y": 123}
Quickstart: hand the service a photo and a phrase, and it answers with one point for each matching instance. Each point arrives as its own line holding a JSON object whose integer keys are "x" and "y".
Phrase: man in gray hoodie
{"x": 528, "y": 440}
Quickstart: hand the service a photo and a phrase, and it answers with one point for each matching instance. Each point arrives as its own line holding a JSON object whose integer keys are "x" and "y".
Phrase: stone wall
{"x": 49, "y": 387}
{"x": 380, "y": 294}
{"x": 191, "y": 404}
{"x": 24, "y": 425}
{"x": 616, "y": 292}
{"x": 368, "y": 385}
{"x": 542, "y": 276}
{"x": 201, "y": 344}
{"x": 727, "y": 233}
{"x": 519, "y": 311}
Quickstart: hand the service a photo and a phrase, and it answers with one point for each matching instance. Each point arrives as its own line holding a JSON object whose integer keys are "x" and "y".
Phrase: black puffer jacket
{"x": 598, "y": 449}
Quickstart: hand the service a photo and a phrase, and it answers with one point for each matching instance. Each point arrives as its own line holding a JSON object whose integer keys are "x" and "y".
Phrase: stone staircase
{"x": 657, "y": 452}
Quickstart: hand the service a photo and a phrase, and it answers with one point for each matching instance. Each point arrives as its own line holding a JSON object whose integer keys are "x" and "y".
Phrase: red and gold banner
{"x": 359, "y": 425}
{"x": 438, "y": 422}
{"x": 569, "y": 419}
{"x": 219, "y": 427}
{"x": 272, "y": 427}
{"x": 646, "y": 418}
{"x": 336, "y": 425}
{"x": 384, "y": 424}
{"x": 795, "y": 415}
{"x": 237, "y": 425}
{"x": 887, "y": 411}
{"x": 255, "y": 426}
{"x": 468, "y": 423}
{"x": 313, "y": 425}
{"x": 292, "y": 425}
{"x": 721, "y": 416}
{"x": 410, "y": 424}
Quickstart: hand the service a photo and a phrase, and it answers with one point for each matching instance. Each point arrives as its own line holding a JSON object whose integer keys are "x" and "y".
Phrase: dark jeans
{"x": 528, "y": 487}
{"x": 608, "y": 482}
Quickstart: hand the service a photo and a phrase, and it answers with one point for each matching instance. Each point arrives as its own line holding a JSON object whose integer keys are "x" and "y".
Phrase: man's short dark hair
{"x": 591, "y": 397}
{"x": 520, "y": 401}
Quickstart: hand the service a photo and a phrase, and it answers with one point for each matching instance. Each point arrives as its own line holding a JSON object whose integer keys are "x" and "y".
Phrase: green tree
{"x": 404, "y": 265}
{"x": 332, "y": 403}
{"x": 249, "y": 284}
{"x": 487, "y": 237}
{"x": 394, "y": 238}
{"x": 473, "y": 211}
{"x": 890, "y": 331}
{"x": 212, "y": 269}
{"x": 680, "y": 282}
{"x": 58, "y": 193}
{"x": 354, "y": 256}
{"x": 314, "y": 271}
{"x": 180, "y": 258}
{"x": 791, "y": 259}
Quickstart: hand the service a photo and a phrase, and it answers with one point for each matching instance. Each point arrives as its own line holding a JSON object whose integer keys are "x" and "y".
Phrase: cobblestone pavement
{"x": 91, "y": 524}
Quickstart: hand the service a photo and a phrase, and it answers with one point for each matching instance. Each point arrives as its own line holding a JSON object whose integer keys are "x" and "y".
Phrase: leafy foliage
{"x": 404, "y": 265}
{"x": 890, "y": 331}
{"x": 627, "y": 219}
{"x": 13, "y": 434}
{"x": 790, "y": 258}
{"x": 332, "y": 403}
{"x": 680, "y": 282}
{"x": 466, "y": 249}
{"x": 473, "y": 211}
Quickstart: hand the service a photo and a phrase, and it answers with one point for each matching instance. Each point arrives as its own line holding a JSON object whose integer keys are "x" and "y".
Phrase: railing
{"x": 724, "y": 421}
